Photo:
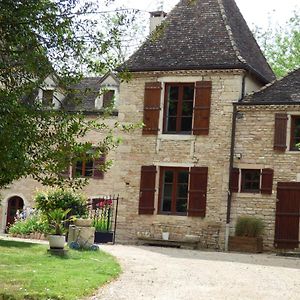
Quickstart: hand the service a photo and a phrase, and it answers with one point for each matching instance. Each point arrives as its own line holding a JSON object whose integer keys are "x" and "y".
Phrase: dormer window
{"x": 108, "y": 98}
{"x": 47, "y": 98}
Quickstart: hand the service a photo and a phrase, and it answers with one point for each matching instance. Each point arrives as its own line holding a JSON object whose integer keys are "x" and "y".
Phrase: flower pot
{"x": 57, "y": 241}
{"x": 245, "y": 244}
{"x": 165, "y": 236}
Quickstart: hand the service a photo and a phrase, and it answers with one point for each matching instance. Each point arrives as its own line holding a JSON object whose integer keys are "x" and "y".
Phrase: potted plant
{"x": 248, "y": 235}
{"x": 56, "y": 219}
{"x": 102, "y": 221}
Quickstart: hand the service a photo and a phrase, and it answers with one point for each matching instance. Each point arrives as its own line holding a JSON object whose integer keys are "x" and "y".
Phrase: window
{"x": 47, "y": 99}
{"x": 182, "y": 191}
{"x": 295, "y": 133}
{"x": 178, "y": 112}
{"x": 108, "y": 98}
{"x": 84, "y": 168}
{"x": 93, "y": 168}
{"x": 174, "y": 190}
{"x": 250, "y": 181}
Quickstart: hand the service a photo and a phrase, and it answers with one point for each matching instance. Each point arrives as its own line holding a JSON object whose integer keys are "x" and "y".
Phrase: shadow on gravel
{"x": 270, "y": 260}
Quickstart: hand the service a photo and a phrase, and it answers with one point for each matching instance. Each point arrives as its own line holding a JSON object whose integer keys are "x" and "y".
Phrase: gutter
{"x": 232, "y": 147}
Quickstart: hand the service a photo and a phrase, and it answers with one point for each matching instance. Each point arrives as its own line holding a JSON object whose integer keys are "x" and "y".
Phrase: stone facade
{"x": 211, "y": 151}
{"x": 254, "y": 141}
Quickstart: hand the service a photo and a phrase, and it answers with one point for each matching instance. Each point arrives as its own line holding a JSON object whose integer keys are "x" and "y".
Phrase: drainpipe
{"x": 229, "y": 195}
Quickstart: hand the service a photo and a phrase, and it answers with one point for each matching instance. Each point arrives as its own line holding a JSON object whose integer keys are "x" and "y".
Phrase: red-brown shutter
{"x": 98, "y": 173}
{"x": 147, "y": 190}
{"x": 267, "y": 181}
{"x": 197, "y": 192}
{"x": 234, "y": 180}
{"x": 280, "y": 132}
{"x": 202, "y": 108}
{"x": 151, "y": 108}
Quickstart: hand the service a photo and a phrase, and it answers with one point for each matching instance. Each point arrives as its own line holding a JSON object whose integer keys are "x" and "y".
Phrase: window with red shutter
{"x": 280, "y": 132}
{"x": 267, "y": 181}
{"x": 202, "y": 108}
{"x": 98, "y": 172}
{"x": 151, "y": 108}
{"x": 197, "y": 192}
{"x": 147, "y": 190}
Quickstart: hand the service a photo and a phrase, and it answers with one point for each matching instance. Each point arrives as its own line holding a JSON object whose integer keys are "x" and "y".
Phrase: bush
{"x": 50, "y": 200}
{"x": 33, "y": 223}
{"x": 249, "y": 226}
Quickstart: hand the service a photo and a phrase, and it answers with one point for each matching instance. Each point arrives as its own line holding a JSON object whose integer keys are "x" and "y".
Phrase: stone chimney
{"x": 156, "y": 17}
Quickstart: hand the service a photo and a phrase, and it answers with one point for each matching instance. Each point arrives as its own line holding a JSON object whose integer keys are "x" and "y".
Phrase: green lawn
{"x": 27, "y": 271}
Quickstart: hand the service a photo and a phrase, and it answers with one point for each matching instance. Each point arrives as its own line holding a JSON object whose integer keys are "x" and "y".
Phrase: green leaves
{"x": 281, "y": 45}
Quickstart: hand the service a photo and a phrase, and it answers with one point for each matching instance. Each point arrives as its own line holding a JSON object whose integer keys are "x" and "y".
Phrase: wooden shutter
{"x": 267, "y": 181}
{"x": 197, "y": 192}
{"x": 151, "y": 108}
{"x": 280, "y": 132}
{"x": 98, "y": 163}
{"x": 202, "y": 107}
{"x": 147, "y": 190}
{"x": 234, "y": 180}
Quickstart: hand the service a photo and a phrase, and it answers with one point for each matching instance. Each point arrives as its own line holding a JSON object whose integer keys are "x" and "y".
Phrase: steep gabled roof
{"x": 202, "y": 34}
{"x": 284, "y": 91}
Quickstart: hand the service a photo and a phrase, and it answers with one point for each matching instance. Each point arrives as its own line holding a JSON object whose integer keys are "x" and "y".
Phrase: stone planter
{"x": 245, "y": 244}
{"x": 56, "y": 241}
{"x": 83, "y": 222}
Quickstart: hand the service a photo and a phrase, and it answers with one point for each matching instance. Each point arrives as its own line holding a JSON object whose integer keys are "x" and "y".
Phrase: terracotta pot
{"x": 57, "y": 241}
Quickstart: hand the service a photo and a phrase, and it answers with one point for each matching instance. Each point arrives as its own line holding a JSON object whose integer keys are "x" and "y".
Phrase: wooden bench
{"x": 167, "y": 243}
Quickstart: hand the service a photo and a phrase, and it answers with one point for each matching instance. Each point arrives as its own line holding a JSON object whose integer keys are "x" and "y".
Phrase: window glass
{"x": 47, "y": 99}
{"x": 178, "y": 116}
{"x": 174, "y": 190}
{"x": 250, "y": 181}
{"x": 295, "y": 132}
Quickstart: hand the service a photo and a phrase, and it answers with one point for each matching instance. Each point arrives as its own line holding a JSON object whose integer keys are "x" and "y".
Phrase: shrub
{"x": 249, "y": 226}
{"x": 52, "y": 199}
{"x": 33, "y": 223}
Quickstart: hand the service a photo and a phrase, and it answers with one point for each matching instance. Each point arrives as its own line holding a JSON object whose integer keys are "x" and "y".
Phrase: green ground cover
{"x": 27, "y": 271}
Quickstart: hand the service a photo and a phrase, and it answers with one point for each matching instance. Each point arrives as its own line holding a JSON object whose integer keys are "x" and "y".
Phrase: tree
{"x": 281, "y": 45}
{"x": 63, "y": 38}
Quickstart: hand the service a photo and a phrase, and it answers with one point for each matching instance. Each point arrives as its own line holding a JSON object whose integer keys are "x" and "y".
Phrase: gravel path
{"x": 171, "y": 274}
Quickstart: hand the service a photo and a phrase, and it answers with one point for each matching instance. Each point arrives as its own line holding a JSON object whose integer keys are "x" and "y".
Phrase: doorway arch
{"x": 13, "y": 204}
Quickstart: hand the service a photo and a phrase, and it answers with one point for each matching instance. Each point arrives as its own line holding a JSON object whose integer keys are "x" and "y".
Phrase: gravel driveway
{"x": 170, "y": 274}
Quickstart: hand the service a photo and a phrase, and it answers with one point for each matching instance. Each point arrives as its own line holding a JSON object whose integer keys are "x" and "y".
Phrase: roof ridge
{"x": 229, "y": 31}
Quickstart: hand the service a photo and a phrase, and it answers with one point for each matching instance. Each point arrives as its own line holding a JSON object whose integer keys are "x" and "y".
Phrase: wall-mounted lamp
{"x": 238, "y": 155}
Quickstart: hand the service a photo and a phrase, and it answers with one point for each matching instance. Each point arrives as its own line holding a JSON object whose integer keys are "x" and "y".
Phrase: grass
{"x": 27, "y": 271}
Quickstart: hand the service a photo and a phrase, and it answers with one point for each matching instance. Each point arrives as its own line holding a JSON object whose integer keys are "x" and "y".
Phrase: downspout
{"x": 232, "y": 147}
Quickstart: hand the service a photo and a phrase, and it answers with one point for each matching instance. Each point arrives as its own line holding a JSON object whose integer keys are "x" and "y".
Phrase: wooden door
{"x": 287, "y": 215}
{"x": 14, "y": 204}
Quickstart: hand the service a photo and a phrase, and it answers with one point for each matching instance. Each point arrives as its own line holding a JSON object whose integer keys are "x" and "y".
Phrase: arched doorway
{"x": 13, "y": 204}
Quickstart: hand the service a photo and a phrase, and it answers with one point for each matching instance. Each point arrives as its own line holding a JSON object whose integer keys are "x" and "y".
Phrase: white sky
{"x": 256, "y": 12}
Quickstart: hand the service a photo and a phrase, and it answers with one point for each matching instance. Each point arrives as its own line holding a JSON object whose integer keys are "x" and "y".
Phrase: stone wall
{"x": 254, "y": 141}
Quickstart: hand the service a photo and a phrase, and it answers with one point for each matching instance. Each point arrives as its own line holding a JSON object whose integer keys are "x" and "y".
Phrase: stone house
{"x": 266, "y": 169}
{"x": 185, "y": 171}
